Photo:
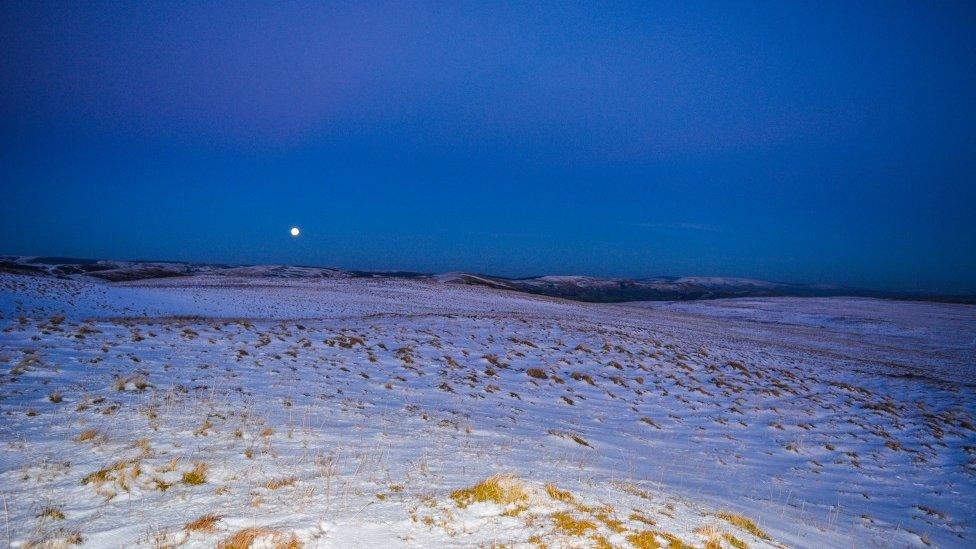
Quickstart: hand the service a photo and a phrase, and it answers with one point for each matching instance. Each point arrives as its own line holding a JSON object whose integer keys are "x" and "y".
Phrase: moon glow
{"x": 295, "y": 231}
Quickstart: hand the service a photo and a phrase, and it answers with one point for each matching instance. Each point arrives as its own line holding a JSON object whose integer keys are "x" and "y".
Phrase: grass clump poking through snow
{"x": 280, "y": 483}
{"x": 206, "y": 523}
{"x": 138, "y": 382}
{"x": 744, "y": 523}
{"x": 86, "y": 435}
{"x": 559, "y": 495}
{"x": 98, "y": 477}
{"x": 674, "y": 542}
{"x": 197, "y": 475}
{"x": 640, "y": 517}
{"x": 501, "y": 490}
{"x": 644, "y": 540}
{"x": 571, "y": 525}
{"x": 734, "y": 541}
{"x": 615, "y": 525}
{"x": 712, "y": 535}
{"x": 244, "y": 539}
{"x": 51, "y": 513}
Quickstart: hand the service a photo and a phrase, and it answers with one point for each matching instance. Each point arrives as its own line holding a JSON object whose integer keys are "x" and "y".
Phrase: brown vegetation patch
{"x": 744, "y": 523}
{"x": 501, "y": 490}
{"x": 206, "y": 523}
{"x": 281, "y": 483}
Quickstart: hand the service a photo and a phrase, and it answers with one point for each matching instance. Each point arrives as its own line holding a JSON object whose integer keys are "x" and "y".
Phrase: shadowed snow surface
{"x": 345, "y": 412}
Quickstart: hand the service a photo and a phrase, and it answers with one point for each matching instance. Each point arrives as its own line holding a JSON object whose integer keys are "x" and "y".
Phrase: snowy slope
{"x": 342, "y": 412}
{"x": 581, "y": 288}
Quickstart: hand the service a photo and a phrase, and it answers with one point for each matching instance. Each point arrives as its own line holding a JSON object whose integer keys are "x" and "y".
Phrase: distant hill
{"x": 613, "y": 290}
{"x": 580, "y": 288}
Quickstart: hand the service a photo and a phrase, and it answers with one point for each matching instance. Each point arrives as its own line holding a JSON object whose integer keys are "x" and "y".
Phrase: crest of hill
{"x": 576, "y": 287}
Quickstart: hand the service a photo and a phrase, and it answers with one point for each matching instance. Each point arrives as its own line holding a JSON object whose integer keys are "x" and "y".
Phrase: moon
{"x": 295, "y": 231}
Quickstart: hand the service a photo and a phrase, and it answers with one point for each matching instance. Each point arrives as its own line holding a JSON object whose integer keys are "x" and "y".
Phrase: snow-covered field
{"x": 206, "y": 411}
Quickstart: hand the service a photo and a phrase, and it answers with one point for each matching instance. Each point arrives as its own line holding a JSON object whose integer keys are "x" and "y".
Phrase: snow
{"x": 342, "y": 412}
{"x": 718, "y": 282}
{"x": 931, "y": 339}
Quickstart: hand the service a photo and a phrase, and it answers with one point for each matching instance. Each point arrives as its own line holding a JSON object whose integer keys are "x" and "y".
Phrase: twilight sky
{"x": 806, "y": 142}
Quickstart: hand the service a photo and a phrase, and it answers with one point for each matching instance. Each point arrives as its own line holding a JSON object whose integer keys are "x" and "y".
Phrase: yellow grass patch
{"x": 98, "y": 477}
{"x": 197, "y": 475}
{"x": 245, "y": 538}
{"x": 569, "y": 524}
{"x": 674, "y": 542}
{"x": 611, "y": 522}
{"x": 734, "y": 541}
{"x": 559, "y": 495}
{"x": 744, "y": 523}
{"x": 713, "y": 537}
{"x": 640, "y": 517}
{"x": 502, "y": 490}
{"x": 644, "y": 540}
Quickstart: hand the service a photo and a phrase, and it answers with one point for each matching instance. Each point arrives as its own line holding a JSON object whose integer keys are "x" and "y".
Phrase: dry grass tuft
{"x": 98, "y": 477}
{"x": 712, "y": 535}
{"x": 123, "y": 473}
{"x": 674, "y": 542}
{"x": 206, "y": 523}
{"x": 170, "y": 466}
{"x": 574, "y": 437}
{"x": 615, "y": 525}
{"x": 197, "y": 475}
{"x": 86, "y": 435}
{"x": 281, "y": 483}
{"x": 536, "y": 373}
{"x": 58, "y": 540}
{"x": 51, "y": 513}
{"x": 204, "y": 428}
{"x": 559, "y": 495}
{"x": 56, "y": 397}
{"x": 286, "y": 542}
{"x": 568, "y": 524}
{"x": 734, "y": 541}
{"x": 644, "y": 540}
{"x": 515, "y": 511}
{"x": 640, "y": 517}
{"x": 244, "y": 539}
{"x": 501, "y": 490}
{"x": 137, "y": 381}
{"x": 580, "y": 440}
{"x": 744, "y": 523}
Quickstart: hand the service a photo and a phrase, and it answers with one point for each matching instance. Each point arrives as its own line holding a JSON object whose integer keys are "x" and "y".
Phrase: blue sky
{"x": 808, "y": 142}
